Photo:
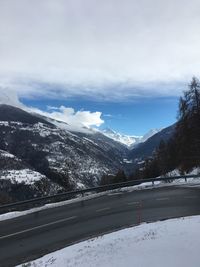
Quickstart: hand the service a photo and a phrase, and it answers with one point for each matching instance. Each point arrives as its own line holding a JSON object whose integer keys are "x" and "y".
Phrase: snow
{"x": 5, "y": 154}
{"x": 14, "y": 214}
{"x": 192, "y": 182}
{"x": 71, "y": 128}
{"x": 4, "y": 123}
{"x": 176, "y": 172}
{"x": 150, "y": 134}
{"x": 126, "y": 140}
{"x": 129, "y": 140}
{"x": 80, "y": 185}
{"x": 127, "y": 161}
{"x": 85, "y": 156}
{"x": 87, "y": 139}
{"x": 172, "y": 243}
{"x": 26, "y": 176}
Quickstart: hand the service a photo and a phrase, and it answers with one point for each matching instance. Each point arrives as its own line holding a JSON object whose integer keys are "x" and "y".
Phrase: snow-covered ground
{"x": 26, "y": 176}
{"x": 176, "y": 172}
{"x": 171, "y": 243}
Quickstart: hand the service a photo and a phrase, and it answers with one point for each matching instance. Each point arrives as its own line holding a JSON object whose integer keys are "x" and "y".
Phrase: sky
{"x": 109, "y": 63}
{"x": 132, "y": 118}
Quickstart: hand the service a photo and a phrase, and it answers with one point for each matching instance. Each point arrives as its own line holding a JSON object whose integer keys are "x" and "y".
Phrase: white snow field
{"x": 171, "y": 243}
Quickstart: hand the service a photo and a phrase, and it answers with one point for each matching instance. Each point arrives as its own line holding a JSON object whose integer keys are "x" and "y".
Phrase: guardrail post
{"x": 153, "y": 183}
{"x": 185, "y": 179}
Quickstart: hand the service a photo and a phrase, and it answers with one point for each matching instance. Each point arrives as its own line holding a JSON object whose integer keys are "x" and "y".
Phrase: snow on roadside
{"x": 176, "y": 172}
{"x": 146, "y": 186}
{"x": 172, "y": 243}
{"x": 14, "y": 214}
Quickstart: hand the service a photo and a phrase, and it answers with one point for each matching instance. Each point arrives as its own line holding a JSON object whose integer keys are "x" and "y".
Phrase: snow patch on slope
{"x": 26, "y": 176}
{"x": 5, "y": 154}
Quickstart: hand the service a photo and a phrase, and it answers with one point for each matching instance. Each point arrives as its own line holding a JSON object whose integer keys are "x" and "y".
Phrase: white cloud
{"x": 72, "y": 117}
{"x": 77, "y": 120}
{"x": 68, "y": 48}
{"x": 10, "y": 97}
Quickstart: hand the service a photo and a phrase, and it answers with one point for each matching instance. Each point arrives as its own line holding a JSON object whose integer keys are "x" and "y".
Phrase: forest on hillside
{"x": 182, "y": 151}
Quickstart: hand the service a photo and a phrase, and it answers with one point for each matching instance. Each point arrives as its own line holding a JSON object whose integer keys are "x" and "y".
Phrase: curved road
{"x": 31, "y": 236}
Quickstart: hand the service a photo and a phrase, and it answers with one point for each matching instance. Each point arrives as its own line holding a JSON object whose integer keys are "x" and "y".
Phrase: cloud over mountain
{"x": 76, "y": 119}
{"x": 98, "y": 48}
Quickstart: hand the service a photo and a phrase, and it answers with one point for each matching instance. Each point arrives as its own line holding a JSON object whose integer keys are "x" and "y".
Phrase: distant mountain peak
{"x": 129, "y": 140}
{"x": 150, "y": 133}
{"x": 109, "y": 131}
{"x": 126, "y": 140}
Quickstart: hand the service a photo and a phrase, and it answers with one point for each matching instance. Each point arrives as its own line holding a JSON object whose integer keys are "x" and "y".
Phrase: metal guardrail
{"x": 70, "y": 194}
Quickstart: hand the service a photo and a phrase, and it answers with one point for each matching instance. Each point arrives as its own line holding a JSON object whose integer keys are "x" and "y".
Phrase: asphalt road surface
{"x": 31, "y": 236}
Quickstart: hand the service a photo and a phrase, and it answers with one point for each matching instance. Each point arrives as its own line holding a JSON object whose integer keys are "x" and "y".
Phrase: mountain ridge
{"x": 64, "y": 159}
{"x": 40, "y": 156}
{"x": 131, "y": 141}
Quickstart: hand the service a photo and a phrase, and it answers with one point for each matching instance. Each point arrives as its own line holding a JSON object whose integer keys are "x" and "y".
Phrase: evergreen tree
{"x": 188, "y": 127}
{"x": 120, "y": 177}
{"x": 183, "y": 150}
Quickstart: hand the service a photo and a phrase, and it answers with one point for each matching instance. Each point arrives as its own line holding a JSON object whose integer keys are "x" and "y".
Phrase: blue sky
{"x": 135, "y": 117}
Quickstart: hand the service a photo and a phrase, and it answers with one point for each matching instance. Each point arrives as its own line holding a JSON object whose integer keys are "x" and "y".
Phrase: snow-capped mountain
{"x": 147, "y": 148}
{"x": 38, "y": 156}
{"x": 149, "y": 134}
{"x": 128, "y": 140}
{"x": 42, "y": 156}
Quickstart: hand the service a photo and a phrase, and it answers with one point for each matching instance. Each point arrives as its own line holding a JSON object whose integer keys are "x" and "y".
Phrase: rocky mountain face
{"x": 36, "y": 154}
{"x": 130, "y": 141}
{"x": 40, "y": 156}
{"x": 149, "y": 134}
{"x": 127, "y": 140}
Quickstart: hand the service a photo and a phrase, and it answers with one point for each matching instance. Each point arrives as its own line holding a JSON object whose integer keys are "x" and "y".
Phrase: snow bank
{"x": 176, "y": 172}
{"x": 172, "y": 243}
{"x": 143, "y": 186}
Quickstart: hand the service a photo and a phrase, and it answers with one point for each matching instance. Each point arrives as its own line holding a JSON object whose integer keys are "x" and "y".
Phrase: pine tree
{"x": 183, "y": 149}
{"x": 120, "y": 177}
{"x": 188, "y": 127}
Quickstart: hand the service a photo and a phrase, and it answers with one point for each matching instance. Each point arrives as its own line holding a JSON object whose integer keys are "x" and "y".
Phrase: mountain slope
{"x": 11, "y": 113}
{"x": 126, "y": 140}
{"x": 149, "y": 134}
{"x": 130, "y": 141}
{"x": 146, "y": 149}
{"x": 63, "y": 158}
{"x": 40, "y": 156}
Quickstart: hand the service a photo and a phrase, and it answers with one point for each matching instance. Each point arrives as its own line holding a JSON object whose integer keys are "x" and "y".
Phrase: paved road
{"x": 28, "y": 237}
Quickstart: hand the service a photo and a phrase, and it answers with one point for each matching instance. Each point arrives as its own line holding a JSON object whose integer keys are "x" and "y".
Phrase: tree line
{"x": 182, "y": 151}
